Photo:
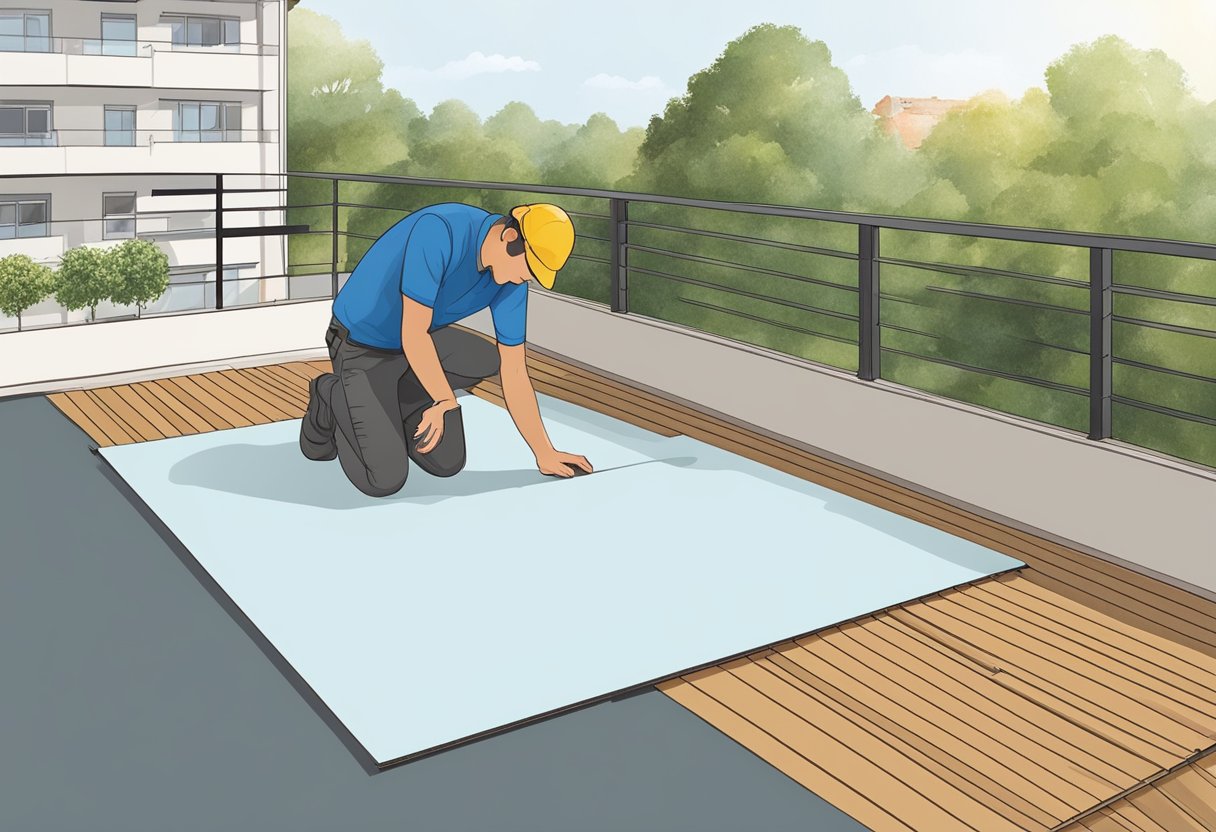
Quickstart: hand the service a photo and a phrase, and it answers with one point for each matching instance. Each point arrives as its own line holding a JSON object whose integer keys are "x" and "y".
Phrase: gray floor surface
{"x": 132, "y": 698}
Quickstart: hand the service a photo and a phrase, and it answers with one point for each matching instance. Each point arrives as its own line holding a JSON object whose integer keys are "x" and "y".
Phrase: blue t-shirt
{"x": 430, "y": 257}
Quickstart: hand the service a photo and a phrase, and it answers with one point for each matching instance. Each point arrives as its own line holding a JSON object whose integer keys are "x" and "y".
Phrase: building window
{"x": 24, "y": 216}
{"x": 118, "y": 216}
{"x": 206, "y": 121}
{"x": 120, "y": 126}
{"x": 25, "y": 125}
{"x": 193, "y": 30}
{"x": 25, "y": 31}
{"x": 117, "y": 37}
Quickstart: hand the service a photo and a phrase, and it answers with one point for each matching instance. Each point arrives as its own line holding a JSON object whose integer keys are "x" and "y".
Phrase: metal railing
{"x": 634, "y": 247}
{"x": 135, "y": 137}
{"x": 1101, "y": 285}
{"x": 123, "y": 47}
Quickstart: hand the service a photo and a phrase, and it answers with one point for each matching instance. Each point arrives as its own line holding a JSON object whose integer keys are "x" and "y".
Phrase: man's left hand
{"x": 430, "y": 429}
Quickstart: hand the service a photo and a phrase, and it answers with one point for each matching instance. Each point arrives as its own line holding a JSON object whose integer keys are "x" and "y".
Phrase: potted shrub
{"x": 23, "y": 283}
{"x": 85, "y": 279}
{"x": 140, "y": 273}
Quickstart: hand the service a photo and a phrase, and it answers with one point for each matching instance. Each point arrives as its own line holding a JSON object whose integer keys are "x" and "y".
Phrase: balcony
{"x": 144, "y": 64}
{"x": 144, "y": 151}
{"x": 1087, "y": 677}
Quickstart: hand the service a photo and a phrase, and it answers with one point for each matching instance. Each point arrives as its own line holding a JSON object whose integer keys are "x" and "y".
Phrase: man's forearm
{"x": 419, "y": 350}
{"x": 521, "y": 404}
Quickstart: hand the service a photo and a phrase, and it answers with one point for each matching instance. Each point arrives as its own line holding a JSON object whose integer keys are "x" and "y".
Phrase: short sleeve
{"x": 509, "y": 310}
{"x": 428, "y": 250}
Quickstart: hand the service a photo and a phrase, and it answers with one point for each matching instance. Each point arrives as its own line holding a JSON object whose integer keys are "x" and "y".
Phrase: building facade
{"x": 103, "y": 102}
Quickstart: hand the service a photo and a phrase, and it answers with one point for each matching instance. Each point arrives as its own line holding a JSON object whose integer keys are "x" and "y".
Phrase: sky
{"x": 626, "y": 58}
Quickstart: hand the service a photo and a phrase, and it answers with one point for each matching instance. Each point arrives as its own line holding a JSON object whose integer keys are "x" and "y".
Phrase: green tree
{"x": 85, "y": 279}
{"x": 23, "y": 283}
{"x": 597, "y": 155}
{"x": 141, "y": 273}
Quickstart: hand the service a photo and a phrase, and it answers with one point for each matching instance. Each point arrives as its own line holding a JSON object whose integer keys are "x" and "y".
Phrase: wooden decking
{"x": 1073, "y": 694}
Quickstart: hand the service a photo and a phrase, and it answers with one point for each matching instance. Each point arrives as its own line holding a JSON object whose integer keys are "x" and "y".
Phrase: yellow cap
{"x": 548, "y": 239}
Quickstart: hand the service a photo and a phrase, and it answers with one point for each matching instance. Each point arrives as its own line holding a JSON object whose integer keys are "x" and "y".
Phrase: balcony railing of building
{"x": 134, "y": 137}
{"x": 1108, "y": 336}
{"x": 125, "y": 47}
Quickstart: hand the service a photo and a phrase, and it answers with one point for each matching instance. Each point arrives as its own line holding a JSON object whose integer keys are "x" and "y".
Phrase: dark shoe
{"x": 317, "y": 427}
{"x": 448, "y": 457}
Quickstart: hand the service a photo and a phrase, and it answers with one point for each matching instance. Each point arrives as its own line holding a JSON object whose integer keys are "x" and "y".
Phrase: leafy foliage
{"x": 23, "y": 283}
{"x": 140, "y": 271}
{"x": 85, "y": 279}
{"x": 1116, "y": 142}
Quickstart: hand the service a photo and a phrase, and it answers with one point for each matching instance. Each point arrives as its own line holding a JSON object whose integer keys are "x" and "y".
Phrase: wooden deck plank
{"x": 924, "y": 799}
{"x": 289, "y": 389}
{"x": 197, "y": 401}
{"x": 1100, "y": 704}
{"x": 1034, "y": 742}
{"x": 811, "y": 742}
{"x": 72, "y": 410}
{"x": 1172, "y": 663}
{"x": 255, "y": 397}
{"x": 132, "y": 421}
{"x": 848, "y": 798}
{"x": 272, "y": 394}
{"x": 101, "y": 416}
{"x": 170, "y": 422}
{"x": 1047, "y": 798}
{"x": 1190, "y": 790}
{"x": 145, "y": 411}
{"x": 1076, "y": 655}
{"x": 135, "y": 421}
{"x": 927, "y": 743}
{"x": 253, "y": 411}
{"x": 217, "y": 401}
{"x": 1052, "y": 745}
{"x": 184, "y": 414}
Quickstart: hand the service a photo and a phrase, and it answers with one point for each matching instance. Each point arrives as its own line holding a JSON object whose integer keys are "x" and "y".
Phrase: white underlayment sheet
{"x": 462, "y": 605}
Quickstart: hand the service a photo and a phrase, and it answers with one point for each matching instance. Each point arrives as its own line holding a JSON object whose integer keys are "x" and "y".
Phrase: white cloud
{"x": 475, "y": 63}
{"x": 603, "y": 81}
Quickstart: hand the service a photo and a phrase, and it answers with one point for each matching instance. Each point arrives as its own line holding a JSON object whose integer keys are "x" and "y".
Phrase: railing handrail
{"x": 1082, "y": 239}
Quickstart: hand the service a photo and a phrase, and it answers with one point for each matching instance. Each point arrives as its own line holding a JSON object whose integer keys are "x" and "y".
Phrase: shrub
{"x": 23, "y": 283}
{"x": 140, "y": 273}
{"x": 85, "y": 279}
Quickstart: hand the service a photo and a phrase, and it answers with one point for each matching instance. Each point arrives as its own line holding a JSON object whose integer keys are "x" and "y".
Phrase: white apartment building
{"x": 103, "y": 101}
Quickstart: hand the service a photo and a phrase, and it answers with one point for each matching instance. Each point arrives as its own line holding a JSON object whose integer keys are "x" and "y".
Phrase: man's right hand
{"x": 430, "y": 429}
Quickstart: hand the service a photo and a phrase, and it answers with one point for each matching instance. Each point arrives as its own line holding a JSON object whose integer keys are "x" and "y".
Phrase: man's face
{"x": 506, "y": 267}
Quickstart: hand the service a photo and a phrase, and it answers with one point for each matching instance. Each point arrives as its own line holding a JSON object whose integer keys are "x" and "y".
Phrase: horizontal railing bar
{"x": 1154, "y": 368}
{"x": 744, "y": 293}
{"x": 1054, "y": 346}
{"x": 1015, "y": 301}
{"x": 411, "y": 210}
{"x": 907, "y": 329}
{"x": 1053, "y": 385}
{"x": 1165, "y": 411}
{"x": 602, "y": 260}
{"x": 268, "y": 231}
{"x": 965, "y": 271}
{"x": 1161, "y": 294}
{"x": 353, "y": 234}
{"x": 1184, "y": 330}
{"x": 183, "y": 191}
{"x": 719, "y": 235}
{"x": 1203, "y": 251}
{"x": 696, "y": 258}
{"x": 758, "y": 319}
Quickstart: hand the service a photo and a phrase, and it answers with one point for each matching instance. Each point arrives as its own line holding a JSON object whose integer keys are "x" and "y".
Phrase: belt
{"x": 337, "y": 327}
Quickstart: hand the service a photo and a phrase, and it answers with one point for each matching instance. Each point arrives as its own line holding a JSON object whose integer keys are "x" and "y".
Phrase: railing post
{"x": 1101, "y": 282}
{"x": 219, "y": 241}
{"x": 869, "y": 342}
{"x": 618, "y": 256}
{"x": 334, "y": 240}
